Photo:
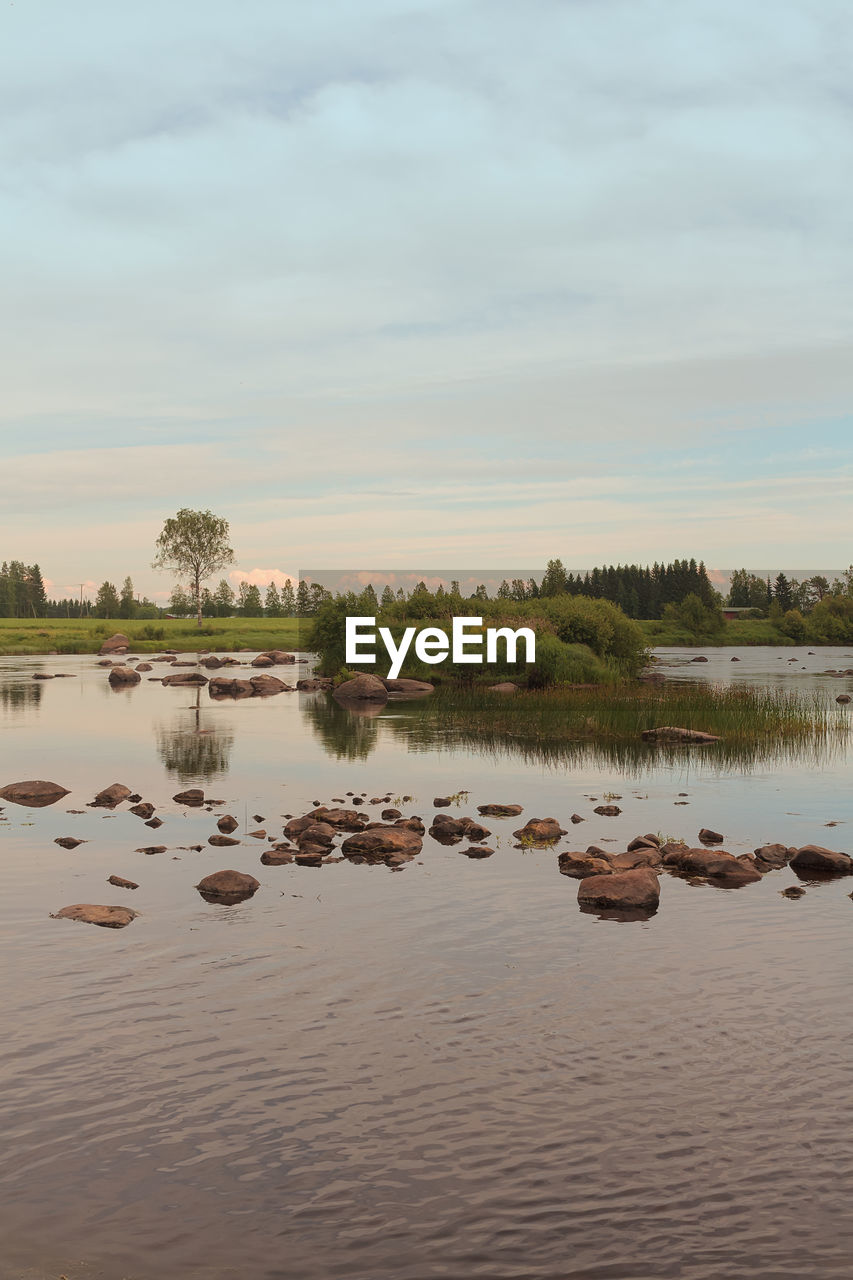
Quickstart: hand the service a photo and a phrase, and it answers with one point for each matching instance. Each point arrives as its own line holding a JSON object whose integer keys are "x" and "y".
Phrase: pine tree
{"x": 272, "y": 602}
{"x": 107, "y": 601}
{"x": 288, "y": 600}
{"x": 303, "y": 599}
{"x": 127, "y": 603}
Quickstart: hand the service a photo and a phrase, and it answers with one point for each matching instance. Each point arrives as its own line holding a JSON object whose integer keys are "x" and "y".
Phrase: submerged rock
{"x": 362, "y": 688}
{"x": 673, "y": 733}
{"x": 500, "y": 810}
{"x": 228, "y": 887}
{"x": 194, "y": 797}
{"x": 621, "y": 891}
{"x": 383, "y": 842}
{"x": 403, "y": 688}
{"x": 35, "y": 795}
{"x": 769, "y": 857}
{"x": 181, "y": 678}
{"x": 793, "y": 891}
{"x": 225, "y": 687}
{"x": 89, "y": 913}
{"x": 539, "y": 831}
{"x": 812, "y": 859}
{"x": 116, "y": 793}
{"x": 447, "y": 830}
{"x": 68, "y": 842}
{"x": 607, "y": 810}
{"x": 714, "y": 864}
{"x": 477, "y": 851}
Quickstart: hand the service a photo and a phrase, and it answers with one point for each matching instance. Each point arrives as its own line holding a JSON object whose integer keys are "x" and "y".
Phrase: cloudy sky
{"x": 426, "y": 281}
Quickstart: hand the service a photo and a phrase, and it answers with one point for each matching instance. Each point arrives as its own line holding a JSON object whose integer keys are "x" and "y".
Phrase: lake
{"x": 445, "y": 1070}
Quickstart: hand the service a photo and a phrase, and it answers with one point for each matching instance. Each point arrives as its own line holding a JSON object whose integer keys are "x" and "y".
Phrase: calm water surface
{"x": 446, "y": 1071}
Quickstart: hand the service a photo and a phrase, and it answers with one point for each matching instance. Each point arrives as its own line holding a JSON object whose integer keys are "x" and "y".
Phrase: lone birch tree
{"x": 194, "y": 544}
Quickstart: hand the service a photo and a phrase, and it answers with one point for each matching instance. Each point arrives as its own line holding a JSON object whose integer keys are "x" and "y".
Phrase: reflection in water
{"x": 346, "y": 734}
{"x": 24, "y": 694}
{"x": 195, "y": 750}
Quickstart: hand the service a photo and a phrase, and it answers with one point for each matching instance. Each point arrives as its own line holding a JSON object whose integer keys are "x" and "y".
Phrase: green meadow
{"x": 60, "y": 635}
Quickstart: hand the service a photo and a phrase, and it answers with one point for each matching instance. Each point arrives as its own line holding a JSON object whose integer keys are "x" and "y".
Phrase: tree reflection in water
{"x": 18, "y": 694}
{"x": 194, "y": 750}
{"x": 347, "y": 734}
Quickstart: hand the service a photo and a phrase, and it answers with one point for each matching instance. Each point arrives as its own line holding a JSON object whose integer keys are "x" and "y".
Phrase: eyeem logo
{"x": 432, "y": 644}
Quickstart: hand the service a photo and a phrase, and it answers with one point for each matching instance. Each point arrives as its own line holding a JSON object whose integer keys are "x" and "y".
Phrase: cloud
{"x": 262, "y": 577}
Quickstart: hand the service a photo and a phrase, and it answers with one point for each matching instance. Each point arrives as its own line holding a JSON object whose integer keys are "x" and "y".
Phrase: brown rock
{"x": 580, "y": 865}
{"x": 402, "y": 689}
{"x": 116, "y": 644}
{"x": 35, "y": 795}
{"x": 646, "y": 856}
{"x": 154, "y": 823}
{"x": 500, "y": 810}
{"x": 539, "y": 832}
{"x": 622, "y": 891}
{"x": 264, "y": 686}
{"x": 227, "y": 824}
{"x": 227, "y": 887}
{"x": 716, "y": 864}
{"x": 194, "y": 797}
{"x": 144, "y": 810}
{"x": 278, "y": 856}
{"x": 89, "y": 913}
{"x": 771, "y": 856}
{"x": 224, "y": 687}
{"x": 42, "y": 675}
{"x": 387, "y": 815}
{"x": 279, "y": 657}
{"x": 812, "y": 859}
{"x": 843, "y": 697}
{"x": 793, "y": 891}
{"x": 111, "y": 796}
{"x": 121, "y": 883}
{"x": 68, "y": 842}
{"x": 262, "y": 661}
{"x": 707, "y": 836}
{"x": 477, "y": 851}
{"x": 313, "y": 685}
{"x": 644, "y": 842}
{"x": 222, "y": 842}
{"x": 124, "y": 675}
{"x": 151, "y": 849}
{"x": 211, "y": 662}
{"x": 506, "y": 687}
{"x": 341, "y": 819}
{"x": 380, "y": 842}
{"x": 363, "y": 688}
{"x": 672, "y": 733}
{"x": 182, "y": 678}
{"x": 607, "y": 810}
{"x": 447, "y": 830}
{"x": 699, "y": 659}
{"x": 576, "y": 818}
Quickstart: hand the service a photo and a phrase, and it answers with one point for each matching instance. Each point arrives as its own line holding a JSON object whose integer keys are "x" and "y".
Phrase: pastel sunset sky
{"x": 403, "y": 282}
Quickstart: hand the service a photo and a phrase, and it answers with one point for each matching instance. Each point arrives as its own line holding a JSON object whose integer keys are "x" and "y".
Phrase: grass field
{"x": 60, "y": 635}
{"x": 748, "y": 631}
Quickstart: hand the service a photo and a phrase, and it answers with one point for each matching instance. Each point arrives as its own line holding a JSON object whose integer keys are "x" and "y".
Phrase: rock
{"x": 225, "y": 687}
{"x": 714, "y": 864}
{"x": 648, "y": 856}
{"x": 401, "y": 689}
{"x": 42, "y": 675}
{"x": 262, "y": 661}
{"x": 363, "y": 688}
{"x": 699, "y": 659}
{"x": 412, "y": 824}
{"x": 222, "y": 841}
{"x": 154, "y": 823}
{"x": 442, "y": 802}
{"x": 607, "y": 810}
{"x": 506, "y": 687}
{"x": 105, "y": 662}
{"x": 707, "y": 836}
{"x": 735, "y": 659}
{"x": 258, "y": 817}
{"x": 382, "y": 842}
{"x": 278, "y": 657}
{"x": 811, "y": 859}
{"x": 227, "y": 887}
{"x": 116, "y": 644}
{"x": 843, "y": 697}
{"x": 447, "y": 830}
{"x": 341, "y": 819}
{"x": 500, "y": 810}
{"x": 621, "y": 891}
{"x": 111, "y": 796}
{"x": 672, "y": 733}
{"x": 211, "y": 662}
{"x": 264, "y": 686}
{"x": 539, "y": 831}
{"x": 143, "y": 666}
{"x": 194, "y": 797}
{"x": 121, "y": 883}
{"x": 227, "y": 824}
{"x": 257, "y": 835}
{"x": 477, "y": 851}
{"x": 576, "y": 817}
{"x": 182, "y": 678}
{"x": 387, "y": 815}
{"x": 317, "y": 833}
{"x": 313, "y": 685}
{"x": 68, "y": 842}
{"x": 124, "y": 675}
{"x": 35, "y": 795}
{"x": 151, "y": 849}
{"x": 88, "y": 913}
{"x": 278, "y": 856}
{"x": 580, "y": 865}
{"x": 793, "y": 891}
{"x": 144, "y": 810}
{"x": 769, "y": 857}
{"x": 644, "y": 842}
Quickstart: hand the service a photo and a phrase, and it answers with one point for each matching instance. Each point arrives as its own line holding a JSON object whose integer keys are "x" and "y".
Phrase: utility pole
{"x": 81, "y": 601}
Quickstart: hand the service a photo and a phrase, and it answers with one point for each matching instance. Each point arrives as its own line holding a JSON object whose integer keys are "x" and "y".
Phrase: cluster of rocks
{"x": 369, "y": 688}
{"x": 257, "y": 686}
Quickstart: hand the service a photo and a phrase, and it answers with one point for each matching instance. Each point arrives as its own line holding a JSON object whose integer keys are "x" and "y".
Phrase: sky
{"x": 401, "y": 283}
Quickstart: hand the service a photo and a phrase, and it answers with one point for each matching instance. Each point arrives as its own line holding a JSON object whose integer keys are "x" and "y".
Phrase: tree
{"x": 106, "y": 601}
{"x": 224, "y": 597}
{"x": 303, "y": 599}
{"x": 272, "y": 602}
{"x": 194, "y": 544}
{"x": 180, "y": 603}
{"x": 127, "y": 603}
{"x": 782, "y": 592}
{"x": 288, "y": 600}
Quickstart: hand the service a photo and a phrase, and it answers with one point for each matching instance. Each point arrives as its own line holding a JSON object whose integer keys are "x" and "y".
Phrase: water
{"x": 445, "y": 1071}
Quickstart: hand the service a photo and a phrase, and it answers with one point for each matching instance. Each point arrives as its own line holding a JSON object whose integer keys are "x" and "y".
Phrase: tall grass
{"x": 561, "y": 724}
